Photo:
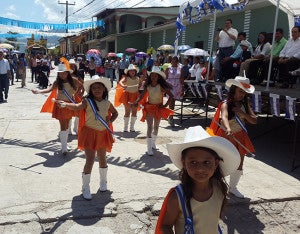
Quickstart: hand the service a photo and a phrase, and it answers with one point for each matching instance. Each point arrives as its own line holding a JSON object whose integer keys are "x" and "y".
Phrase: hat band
{"x": 245, "y": 85}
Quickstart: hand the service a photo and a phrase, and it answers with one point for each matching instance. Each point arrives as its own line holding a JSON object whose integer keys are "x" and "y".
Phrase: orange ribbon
{"x": 245, "y": 85}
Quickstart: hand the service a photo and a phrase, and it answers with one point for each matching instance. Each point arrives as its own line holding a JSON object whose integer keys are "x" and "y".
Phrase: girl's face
{"x": 98, "y": 90}
{"x": 63, "y": 75}
{"x": 154, "y": 78}
{"x": 261, "y": 38}
{"x": 131, "y": 73}
{"x": 239, "y": 94}
{"x": 200, "y": 164}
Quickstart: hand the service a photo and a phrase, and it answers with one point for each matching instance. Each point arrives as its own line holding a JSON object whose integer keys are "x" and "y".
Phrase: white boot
{"x": 75, "y": 127}
{"x": 86, "y": 193}
{"x": 132, "y": 122}
{"x": 234, "y": 180}
{"x": 154, "y": 137}
{"x": 63, "y": 136}
{"x": 103, "y": 179}
{"x": 126, "y": 122}
{"x": 69, "y": 127}
{"x": 149, "y": 147}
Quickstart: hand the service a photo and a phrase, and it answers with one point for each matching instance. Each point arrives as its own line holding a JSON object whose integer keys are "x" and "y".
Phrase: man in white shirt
{"x": 289, "y": 58}
{"x": 226, "y": 41}
{"x": 4, "y": 72}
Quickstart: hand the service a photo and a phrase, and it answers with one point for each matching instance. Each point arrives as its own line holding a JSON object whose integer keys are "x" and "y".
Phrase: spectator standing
{"x": 4, "y": 77}
{"x": 124, "y": 63}
{"x": 109, "y": 69}
{"x": 226, "y": 41}
{"x": 22, "y": 69}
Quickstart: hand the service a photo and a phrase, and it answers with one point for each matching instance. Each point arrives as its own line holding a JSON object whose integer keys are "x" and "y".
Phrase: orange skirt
{"x": 154, "y": 110}
{"x": 242, "y": 137}
{"x": 63, "y": 113}
{"x": 93, "y": 139}
{"x": 129, "y": 98}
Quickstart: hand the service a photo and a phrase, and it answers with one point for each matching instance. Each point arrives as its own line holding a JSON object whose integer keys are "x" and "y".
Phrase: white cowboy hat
{"x": 131, "y": 67}
{"x": 72, "y": 61}
{"x": 241, "y": 82}
{"x": 198, "y": 137}
{"x": 95, "y": 79}
{"x": 62, "y": 68}
{"x": 244, "y": 43}
{"x": 156, "y": 69}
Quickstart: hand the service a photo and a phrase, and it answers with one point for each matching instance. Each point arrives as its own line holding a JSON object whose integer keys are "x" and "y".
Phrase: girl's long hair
{"x": 60, "y": 83}
{"x": 91, "y": 96}
{"x": 230, "y": 102}
{"x": 161, "y": 81}
{"x": 217, "y": 178}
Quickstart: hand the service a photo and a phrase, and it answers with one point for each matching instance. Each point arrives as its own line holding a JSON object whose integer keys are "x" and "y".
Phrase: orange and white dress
{"x": 57, "y": 112}
{"x": 92, "y": 134}
{"x": 153, "y": 99}
{"x": 131, "y": 93}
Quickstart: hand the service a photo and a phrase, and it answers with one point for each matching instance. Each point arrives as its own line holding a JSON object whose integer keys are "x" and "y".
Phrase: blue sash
{"x": 68, "y": 96}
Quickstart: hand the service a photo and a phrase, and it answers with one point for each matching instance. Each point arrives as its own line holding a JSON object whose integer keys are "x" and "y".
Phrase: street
{"x": 41, "y": 189}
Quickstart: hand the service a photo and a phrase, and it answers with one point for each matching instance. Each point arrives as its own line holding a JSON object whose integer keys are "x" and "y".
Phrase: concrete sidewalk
{"x": 39, "y": 186}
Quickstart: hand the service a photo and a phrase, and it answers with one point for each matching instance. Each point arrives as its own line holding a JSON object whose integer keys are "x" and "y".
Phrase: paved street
{"x": 41, "y": 189}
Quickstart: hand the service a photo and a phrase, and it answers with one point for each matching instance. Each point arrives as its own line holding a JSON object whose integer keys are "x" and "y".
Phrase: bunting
{"x": 49, "y": 26}
{"x": 256, "y": 101}
{"x": 274, "y": 102}
{"x": 290, "y": 108}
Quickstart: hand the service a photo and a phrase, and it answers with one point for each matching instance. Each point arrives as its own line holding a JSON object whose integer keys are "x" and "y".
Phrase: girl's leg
{"x": 133, "y": 118}
{"x": 149, "y": 120}
{"x": 101, "y": 153}
{"x": 86, "y": 174}
{"x": 235, "y": 178}
{"x": 63, "y": 135}
{"x": 126, "y": 117}
{"x": 170, "y": 119}
{"x": 155, "y": 132}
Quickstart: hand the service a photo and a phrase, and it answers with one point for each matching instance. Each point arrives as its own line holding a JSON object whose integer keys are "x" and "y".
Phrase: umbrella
{"x": 183, "y": 48}
{"x": 130, "y": 50}
{"x": 6, "y": 46}
{"x": 93, "y": 51}
{"x": 120, "y": 55}
{"x": 3, "y": 50}
{"x": 111, "y": 54}
{"x": 195, "y": 52}
{"x": 165, "y": 47}
{"x": 141, "y": 55}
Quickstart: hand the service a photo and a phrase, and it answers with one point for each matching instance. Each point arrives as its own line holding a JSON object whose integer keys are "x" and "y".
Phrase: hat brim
{"x": 234, "y": 82}
{"x": 105, "y": 81}
{"x": 126, "y": 70}
{"x": 65, "y": 71}
{"x": 161, "y": 73}
{"x": 225, "y": 149}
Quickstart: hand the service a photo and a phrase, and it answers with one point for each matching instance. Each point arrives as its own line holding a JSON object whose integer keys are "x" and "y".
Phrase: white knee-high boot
{"x": 154, "y": 137}
{"x": 126, "y": 123}
{"x": 86, "y": 193}
{"x": 63, "y": 136}
{"x": 234, "y": 180}
{"x": 103, "y": 179}
{"x": 149, "y": 147}
{"x": 70, "y": 127}
{"x": 132, "y": 122}
{"x": 75, "y": 127}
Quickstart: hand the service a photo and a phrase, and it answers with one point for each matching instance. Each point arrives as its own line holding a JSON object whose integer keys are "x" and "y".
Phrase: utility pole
{"x": 67, "y": 13}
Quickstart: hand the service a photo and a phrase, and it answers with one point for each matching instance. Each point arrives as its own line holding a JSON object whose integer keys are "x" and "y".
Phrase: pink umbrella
{"x": 93, "y": 51}
{"x": 111, "y": 54}
{"x": 130, "y": 50}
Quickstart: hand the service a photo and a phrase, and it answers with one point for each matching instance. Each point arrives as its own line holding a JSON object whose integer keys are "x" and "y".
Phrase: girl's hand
{"x": 34, "y": 91}
{"x": 228, "y": 132}
{"x": 61, "y": 104}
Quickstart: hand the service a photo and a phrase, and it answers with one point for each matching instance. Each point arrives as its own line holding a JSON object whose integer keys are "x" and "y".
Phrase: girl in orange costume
{"x": 154, "y": 109}
{"x": 94, "y": 132}
{"x": 127, "y": 92}
{"x": 235, "y": 112}
{"x": 66, "y": 88}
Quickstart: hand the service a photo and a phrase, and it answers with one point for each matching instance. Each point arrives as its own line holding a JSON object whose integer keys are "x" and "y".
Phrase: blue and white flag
{"x": 256, "y": 101}
{"x": 290, "y": 108}
{"x": 274, "y": 102}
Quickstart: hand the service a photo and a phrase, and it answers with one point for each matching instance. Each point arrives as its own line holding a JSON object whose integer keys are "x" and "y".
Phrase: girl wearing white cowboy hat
{"x": 203, "y": 162}
{"x": 95, "y": 134}
{"x": 65, "y": 88}
{"x": 127, "y": 92}
{"x": 235, "y": 113}
{"x": 154, "y": 108}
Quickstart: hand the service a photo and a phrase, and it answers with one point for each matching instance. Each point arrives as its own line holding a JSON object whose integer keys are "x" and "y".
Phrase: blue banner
{"x": 49, "y": 26}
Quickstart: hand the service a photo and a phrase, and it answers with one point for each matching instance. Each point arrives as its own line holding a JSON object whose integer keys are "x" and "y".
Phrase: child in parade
{"x": 235, "y": 112}
{"x": 154, "y": 109}
{"x": 127, "y": 92}
{"x": 95, "y": 134}
{"x": 197, "y": 203}
{"x": 66, "y": 88}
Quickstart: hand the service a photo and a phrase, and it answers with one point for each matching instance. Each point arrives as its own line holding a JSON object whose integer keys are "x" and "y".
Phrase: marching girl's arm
{"x": 72, "y": 106}
{"x": 224, "y": 117}
{"x": 47, "y": 90}
{"x": 171, "y": 97}
{"x": 114, "y": 114}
